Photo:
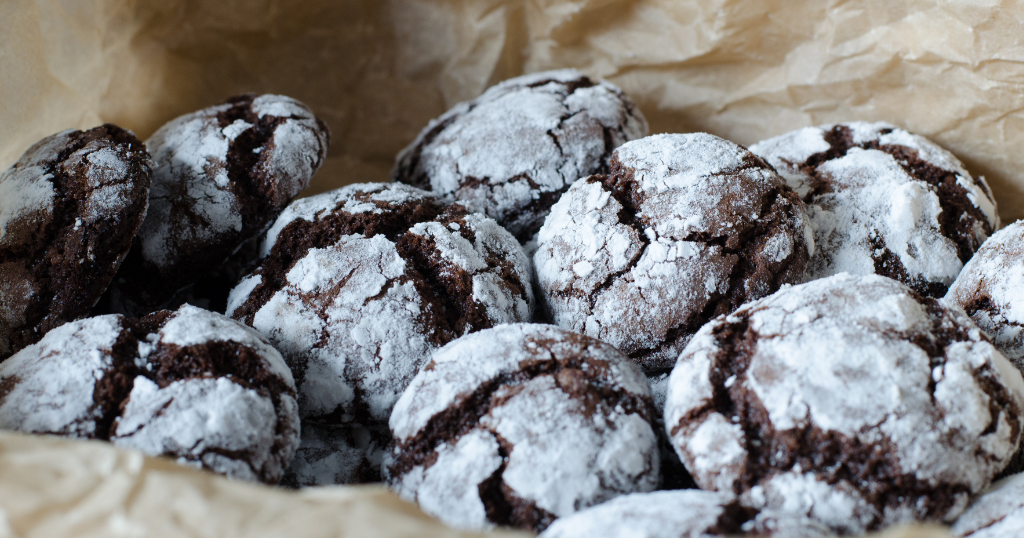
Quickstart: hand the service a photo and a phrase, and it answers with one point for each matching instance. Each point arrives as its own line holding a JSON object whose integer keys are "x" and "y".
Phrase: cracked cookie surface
{"x": 884, "y": 201}
{"x": 989, "y": 290}
{"x": 851, "y": 400}
{"x": 683, "y": 228}
{"x": 358, "y": 286}
{"x": 221, "y": 176}
{"x": 191, "y": 385}
{"x": 519, "y": 425}
{"x": 515, "y": 149}
{"x": 69, "y": 209}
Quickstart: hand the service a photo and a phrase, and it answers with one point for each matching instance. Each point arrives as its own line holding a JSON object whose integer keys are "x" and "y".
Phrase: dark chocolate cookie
{"x": 884, "y": 201}
{"x": 515, "y": 149}
{"x": 522, "y": 424}
{"x": 191, "y": 385}
{"x": 850, "y": 400}
{"x": 360, "y": 285}
{"x": 683, "y": 228}
{"x": 222, "y": 175}
{"x": 69, "y": 209}
{"x": 987, "y": 290}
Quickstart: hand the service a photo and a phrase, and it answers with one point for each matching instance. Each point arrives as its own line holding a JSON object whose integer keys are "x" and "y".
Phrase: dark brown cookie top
{"x": 521, "y": 424}
{"x": 69, "y": 209}
{"x": 884, "y": 201}
{"x": 222, "y": 175}
{"x": 989, "y": 289}
{"x": 684, "y": 227}
{"x": 358, "y": 286}
{"x": 191, "y": 385}
{"x": 515, "y": 149}
{"x": 850, "y": 400}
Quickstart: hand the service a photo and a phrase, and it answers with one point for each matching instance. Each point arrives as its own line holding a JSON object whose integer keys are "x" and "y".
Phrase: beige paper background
{"x": 377, "y": 71}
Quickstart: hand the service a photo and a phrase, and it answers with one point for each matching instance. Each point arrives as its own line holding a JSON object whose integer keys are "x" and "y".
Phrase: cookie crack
{"x": 460, "y": 419}
{"x": 300, "y": 236}
{"x": 953, "y": 200}
{"x": 832, "y": 456}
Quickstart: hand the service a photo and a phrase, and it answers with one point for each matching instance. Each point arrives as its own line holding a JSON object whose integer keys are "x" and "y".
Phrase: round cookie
{"x": 850, "y": 400}
{"x": 998, "y": 513}
{"x": 222, "y": 175}
{"x": 191, "y": 385}
{"x": 884, "y": 201}
{"x": 683, "y": 228}
{"x": 358, "y": 286}
{"x": 519, "y": 425}
{"x": 987, "y": 289}
{"x": 69, "y": 209}
{"x": 688, "y": 513}
{"x": 515, "y": 149}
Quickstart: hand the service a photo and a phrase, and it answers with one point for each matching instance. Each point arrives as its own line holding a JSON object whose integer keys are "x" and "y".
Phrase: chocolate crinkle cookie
{"x": 998, "y": 513}
{"x": 69, "y": 209}
{"x": 678, "y": 514}
{"x": 683, "y": 228}
{"x": 884, "y": 201}
{"x": 515, "y": 149}
{"x": 990, "y": 288}
{"x": 519, "y": 425}
{"x": 222, "y": 175}
{"x": 358, "y": 286}
{"x": 191, "y": 385}
{"x": 851, "y": 400}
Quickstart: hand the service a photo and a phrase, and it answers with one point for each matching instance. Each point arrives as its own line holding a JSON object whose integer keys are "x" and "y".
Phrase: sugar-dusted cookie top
{"x": 222, "y": 175}
{"x": 515, "y": 149}
{"x": 851, "y": 400}
{"x": 519, "y": 425}
{"x": 191, "y": 385}
{"x": 884, "y": 201}
{"x": 69, "y": 209}
{"x": 990, "y": 288}
{"x": 683, "y": 228}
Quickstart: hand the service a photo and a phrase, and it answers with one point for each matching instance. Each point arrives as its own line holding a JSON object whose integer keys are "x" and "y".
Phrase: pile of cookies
{"x": 547, "y": 320}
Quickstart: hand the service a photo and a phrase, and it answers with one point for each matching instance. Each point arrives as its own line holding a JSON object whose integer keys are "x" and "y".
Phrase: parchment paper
{"x": 378, "y": 70}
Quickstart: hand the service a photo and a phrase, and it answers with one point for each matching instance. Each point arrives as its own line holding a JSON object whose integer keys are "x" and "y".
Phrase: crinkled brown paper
{"x": 378, "y": 70}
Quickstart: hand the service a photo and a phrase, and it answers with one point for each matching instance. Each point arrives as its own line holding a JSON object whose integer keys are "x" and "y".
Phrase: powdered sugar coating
{"x": 661, "y": 514}
{"x": 683, "y": 228}
{"x": 199, "y": 420}
{"x": 208, "y": 398}
{"x": 883, "y": 200}
{"x": 361, "y": 305}
{"x": 998, "y": 513}
{"x": 989, "y": 290}
{"x": 222, "y": 174}
{"x": 518, "y": 406}
{"x": 862, "y": 371}
{"x": 48, "y": 387}
{"x": 68, "y": 211}
{"x": 349, "y": 325}
{"x": 687, "y": 513}
{"x": 514, "y": 149}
